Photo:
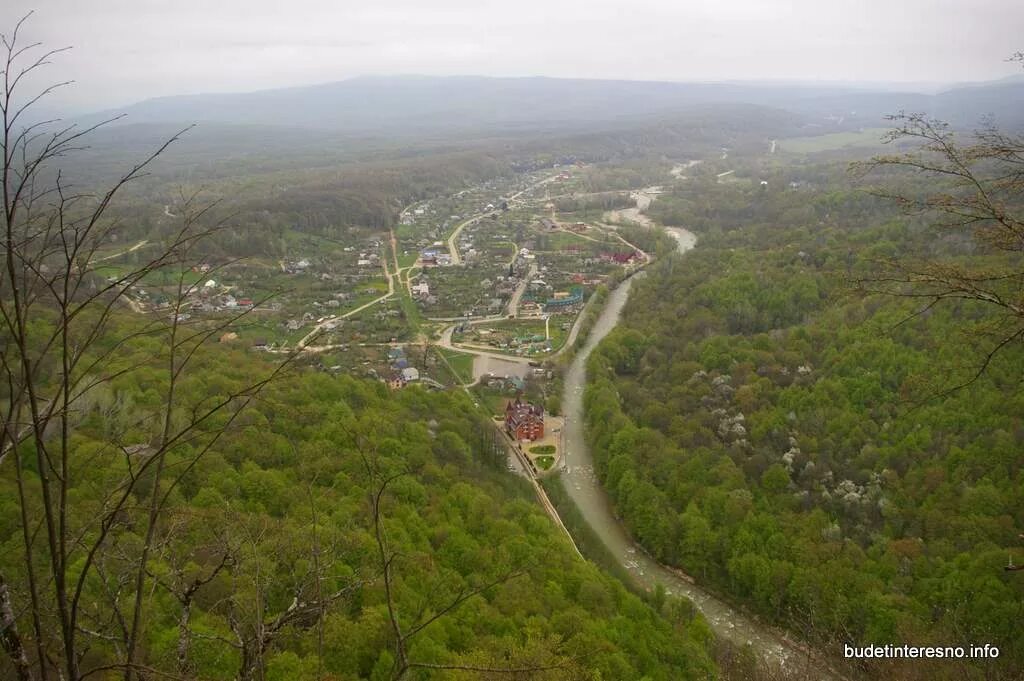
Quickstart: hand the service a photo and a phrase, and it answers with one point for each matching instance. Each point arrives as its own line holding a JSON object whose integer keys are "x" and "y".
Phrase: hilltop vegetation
{"x": 788, "y": 442}
{"x": 279, "y": 513}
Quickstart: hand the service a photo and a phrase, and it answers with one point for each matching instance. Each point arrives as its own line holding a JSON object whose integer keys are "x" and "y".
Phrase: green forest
{"x": 801, "y": 446}
{"x": 267, "y": 565}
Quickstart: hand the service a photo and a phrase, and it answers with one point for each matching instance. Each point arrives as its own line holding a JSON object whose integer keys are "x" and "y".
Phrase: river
{"x": 586, "y": 491}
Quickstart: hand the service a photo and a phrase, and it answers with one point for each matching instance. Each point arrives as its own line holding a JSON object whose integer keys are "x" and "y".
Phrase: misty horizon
{"x": 122, "y": 57}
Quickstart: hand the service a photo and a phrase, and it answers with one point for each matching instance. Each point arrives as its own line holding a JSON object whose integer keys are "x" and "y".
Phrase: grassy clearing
{"x": 557, "y": 241}
{"x": 493, "y": 400}
{"x": 543, "y": 449}
{"x": 461, "y": 364}
{"x": 409, "y": 309}
{"x": 252, "y": 328}
{"x": 868, "y": 137}
{"x": 544, "y": 462}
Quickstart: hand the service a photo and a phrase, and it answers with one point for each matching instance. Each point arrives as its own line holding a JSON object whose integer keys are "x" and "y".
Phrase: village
{"x": 480, "y": 290}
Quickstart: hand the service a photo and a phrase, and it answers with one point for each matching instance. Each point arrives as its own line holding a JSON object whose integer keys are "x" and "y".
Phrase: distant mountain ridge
{"x": 418, "y": 104}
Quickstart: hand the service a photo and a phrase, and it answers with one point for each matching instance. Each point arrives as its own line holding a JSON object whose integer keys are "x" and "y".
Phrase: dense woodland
{"x": 267, "y": 565}
{"x": 796, "y": 445}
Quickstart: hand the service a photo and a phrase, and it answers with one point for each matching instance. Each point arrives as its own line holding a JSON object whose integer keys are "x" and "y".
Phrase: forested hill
{"x": 406, "y": 105}
{"x": 787, "y": 441}
{"x": 269, "y": 564}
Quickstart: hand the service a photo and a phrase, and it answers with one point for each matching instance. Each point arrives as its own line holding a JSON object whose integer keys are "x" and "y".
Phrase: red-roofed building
{"x": 524, "y": 421}
{"x": 620, "y": 258}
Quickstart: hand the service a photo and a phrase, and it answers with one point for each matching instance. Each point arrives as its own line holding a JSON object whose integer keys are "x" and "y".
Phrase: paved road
{"x": 517, "y": 295}
{"x": 124, "y": 252}
{"x": 326, "y": 324}
{"x": 453, "y": 239}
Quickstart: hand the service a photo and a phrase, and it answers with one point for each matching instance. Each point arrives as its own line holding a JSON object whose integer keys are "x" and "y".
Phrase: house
{"x": 548, "y": 223}
{"x": 528, "y": 307}
{"x": 524, "y": 421}
{"x": 410, "y": 374}
{"x": 141, "y": 449}
{"x": 395, "y": 382}
{"x": 422, "y": 289}
{"x": 618, "y": 258}
{"x": 564, "y": 299}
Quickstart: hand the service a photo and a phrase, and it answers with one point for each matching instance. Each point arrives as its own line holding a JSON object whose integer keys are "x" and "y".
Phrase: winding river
{"x": 585, "y": 490}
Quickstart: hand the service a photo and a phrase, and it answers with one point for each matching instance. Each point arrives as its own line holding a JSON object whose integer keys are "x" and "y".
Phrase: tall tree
{"x": 63, "y": 342}
{"x": 976, "y": 190}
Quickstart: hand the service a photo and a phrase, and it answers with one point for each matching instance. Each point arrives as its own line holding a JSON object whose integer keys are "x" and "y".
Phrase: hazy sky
{"x": 126, "y": 50}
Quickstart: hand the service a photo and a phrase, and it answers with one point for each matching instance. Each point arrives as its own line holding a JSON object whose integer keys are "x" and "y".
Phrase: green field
{"x": 544, "y": 462}
{"x": 868, "y": 137}
{"x": 460, "y": 363}
{"x": 557, "y": 241}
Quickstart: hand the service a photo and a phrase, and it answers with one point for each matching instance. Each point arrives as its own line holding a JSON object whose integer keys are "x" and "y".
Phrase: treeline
{"x": 787, "y": 441}
{"x": 274, "y": 181}
{"x": 262, "y": 213}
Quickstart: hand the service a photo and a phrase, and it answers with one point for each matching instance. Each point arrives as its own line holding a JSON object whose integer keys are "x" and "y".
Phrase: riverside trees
{"x": 777, "y": 436}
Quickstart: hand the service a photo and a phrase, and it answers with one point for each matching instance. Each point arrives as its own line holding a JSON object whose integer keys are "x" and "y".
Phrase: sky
{"x": 128, "y": 50}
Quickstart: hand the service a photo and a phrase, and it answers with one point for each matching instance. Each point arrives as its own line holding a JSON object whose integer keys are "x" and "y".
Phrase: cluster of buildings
{"x": 368, "y": 259}
{"x": 401, "y": 373}
{"x": 432, "y": 257}
{"x": 296, "y": 266}
{"x": 510, "y": 382}
{"x": 619, "y": 258}
{"x": 209, "y": 301}
{"x": 551, "y": 224}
